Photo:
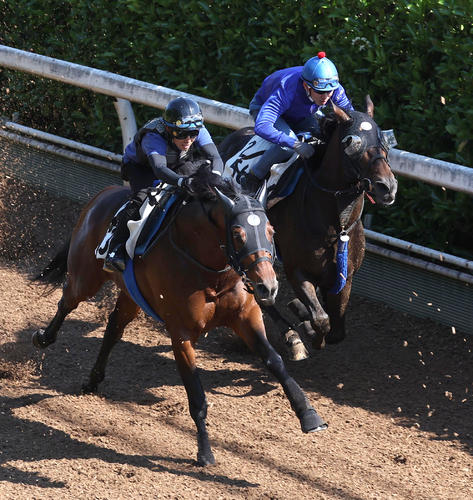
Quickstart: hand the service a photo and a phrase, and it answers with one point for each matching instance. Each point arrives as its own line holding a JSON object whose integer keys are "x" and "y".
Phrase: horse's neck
{"x": 200, "y": 234}
{"x": 330, "y": 172}
{"x": 319, "y": 198}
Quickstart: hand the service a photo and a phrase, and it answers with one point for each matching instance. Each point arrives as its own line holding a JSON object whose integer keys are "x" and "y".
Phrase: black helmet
{"x": 183, "y": 113}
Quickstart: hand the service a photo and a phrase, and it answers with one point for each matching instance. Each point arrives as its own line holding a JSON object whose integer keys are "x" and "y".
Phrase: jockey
{"x": 286, "y": 103}
{"x": 168, "y": 149}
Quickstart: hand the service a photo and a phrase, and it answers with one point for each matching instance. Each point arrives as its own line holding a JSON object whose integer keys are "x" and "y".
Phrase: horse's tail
{"x": 53, "y": 274}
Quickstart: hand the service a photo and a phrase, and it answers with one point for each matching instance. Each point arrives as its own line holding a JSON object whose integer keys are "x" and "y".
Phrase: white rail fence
{"x": 126, "y": 90}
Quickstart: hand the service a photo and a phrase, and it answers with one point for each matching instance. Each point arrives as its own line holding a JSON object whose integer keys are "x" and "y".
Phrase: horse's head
{"x": 249, "y": 245}
{"x": 365, "y": 153}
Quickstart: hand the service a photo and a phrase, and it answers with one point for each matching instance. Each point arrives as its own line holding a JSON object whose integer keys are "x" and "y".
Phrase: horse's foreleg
{"x": 336, "y": 306}
{"x": 184, "y": 355}
{"x": 319, "y": 319}
{"x": 125, "y": 311}
{"x": 251, "y": 330}
{"x": 292, "y": 341}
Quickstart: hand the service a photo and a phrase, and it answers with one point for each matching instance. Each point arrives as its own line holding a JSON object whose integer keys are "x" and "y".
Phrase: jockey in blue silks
{"x": 285, "y": 104}
{"x": 168, "y": 149}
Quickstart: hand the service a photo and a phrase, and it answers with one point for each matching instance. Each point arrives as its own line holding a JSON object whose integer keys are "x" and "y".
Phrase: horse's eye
{"x": 239, "y": 237}
{"x": 269, "y": 232}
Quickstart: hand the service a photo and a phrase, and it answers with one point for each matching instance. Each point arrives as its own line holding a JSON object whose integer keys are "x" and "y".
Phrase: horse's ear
{"x": 340, "y": 114}
{"x": 369, "y": 106}
{"x": 263, "y": 193}
{"x": 227, "y": 202}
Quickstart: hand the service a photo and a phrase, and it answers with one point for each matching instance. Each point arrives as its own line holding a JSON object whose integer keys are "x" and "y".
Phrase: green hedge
{"x": 413, "y": 58}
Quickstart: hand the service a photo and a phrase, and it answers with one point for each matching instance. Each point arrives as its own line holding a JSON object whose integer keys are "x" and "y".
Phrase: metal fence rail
{"x": 412, "y": 165}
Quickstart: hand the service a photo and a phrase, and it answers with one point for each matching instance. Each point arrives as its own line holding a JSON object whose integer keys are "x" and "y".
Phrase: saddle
{"x": 143, "y": 231}
{"x": 153, "y": 211}
{"x": 282, "y": 179}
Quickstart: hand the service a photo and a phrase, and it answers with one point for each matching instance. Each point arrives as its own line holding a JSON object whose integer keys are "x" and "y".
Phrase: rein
{"x": 188, "y": 256}
{"x": 356, "y": 189}
{"x": 234, "y": 258}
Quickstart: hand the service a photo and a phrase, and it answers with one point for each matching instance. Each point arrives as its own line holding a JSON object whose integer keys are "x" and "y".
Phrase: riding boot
{"x": 260, "y": 170}
{"x": 115, "y": 259}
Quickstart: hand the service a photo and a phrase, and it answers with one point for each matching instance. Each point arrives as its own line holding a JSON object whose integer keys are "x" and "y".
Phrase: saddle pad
{"x": 129, "y": 273}
{"x": 240, "y": 164}
{"x": 135, "y": 293}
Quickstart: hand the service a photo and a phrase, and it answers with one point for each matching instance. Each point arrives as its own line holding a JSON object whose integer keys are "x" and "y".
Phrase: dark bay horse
{"x": 210, "y": 267}
{"x": 322, "y": 218}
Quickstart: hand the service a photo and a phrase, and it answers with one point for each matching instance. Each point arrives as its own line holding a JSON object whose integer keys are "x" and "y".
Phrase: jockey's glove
{"x": 303, "y": 149}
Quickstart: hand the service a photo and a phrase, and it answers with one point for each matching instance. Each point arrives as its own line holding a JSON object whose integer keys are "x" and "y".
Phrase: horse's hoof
{"x": 312, "y": 422}
{"x": 299, "y": 352}
{"x": 203, "y": 460}
{"x": 35, "y": 338}
{"x": 295, "y": 346}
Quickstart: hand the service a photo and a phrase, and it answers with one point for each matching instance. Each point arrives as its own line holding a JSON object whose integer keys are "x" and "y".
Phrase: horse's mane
{"x": 204, "y": 182}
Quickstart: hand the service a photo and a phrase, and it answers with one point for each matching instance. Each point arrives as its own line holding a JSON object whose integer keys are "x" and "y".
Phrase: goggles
{"x": 191, "y": 121}
{"x": 323, "y": 85}
{"x": 184, "y": 134}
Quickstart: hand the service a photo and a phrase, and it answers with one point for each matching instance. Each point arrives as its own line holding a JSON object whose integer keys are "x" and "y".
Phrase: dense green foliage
{"x": 413, "y": 57}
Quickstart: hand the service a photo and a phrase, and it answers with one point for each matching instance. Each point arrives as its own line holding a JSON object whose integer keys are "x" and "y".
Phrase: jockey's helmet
{"x": 183, "y": 113}
{"x": 320, "y": 73}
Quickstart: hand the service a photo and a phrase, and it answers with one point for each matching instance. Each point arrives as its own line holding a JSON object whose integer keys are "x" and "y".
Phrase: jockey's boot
{"x": 115, "y": 259}
{"x": 250, "y": 183}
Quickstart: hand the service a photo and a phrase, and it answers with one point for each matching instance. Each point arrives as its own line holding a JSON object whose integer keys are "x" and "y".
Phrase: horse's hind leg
{"x": 336, "y": 306}
{"x": 319, "y": 319}
{"x": 42, "y": 338}
{"x": 76, "y": 289}
{"x": 184, "y": 355}
{"x": 125, "y": 311}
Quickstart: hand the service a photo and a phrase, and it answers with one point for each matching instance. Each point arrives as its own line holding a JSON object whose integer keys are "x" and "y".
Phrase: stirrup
{"x": 115, "y": 261}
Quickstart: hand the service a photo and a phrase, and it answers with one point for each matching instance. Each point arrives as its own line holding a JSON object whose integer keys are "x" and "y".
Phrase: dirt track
{"x": 396, "y": 395}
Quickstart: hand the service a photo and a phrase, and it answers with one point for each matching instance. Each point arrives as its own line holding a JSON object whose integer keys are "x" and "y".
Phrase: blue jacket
{"x": 282, "y": 95}
{"x": 151, "y": 148}
{"x": 155, "y": 143}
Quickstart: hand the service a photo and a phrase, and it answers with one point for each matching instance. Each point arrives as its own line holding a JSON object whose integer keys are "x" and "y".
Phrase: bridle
{"x": 243, "y": 213}
{"x": 358, "y": 186}
{"x": 250, "y": 216}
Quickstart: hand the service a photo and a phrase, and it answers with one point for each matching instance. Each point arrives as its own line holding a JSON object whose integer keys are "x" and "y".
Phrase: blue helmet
{"x": 320, "y": 73}
{"x": 183, "y": 113}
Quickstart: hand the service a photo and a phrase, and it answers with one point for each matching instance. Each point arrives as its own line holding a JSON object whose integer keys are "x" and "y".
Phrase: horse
{"x": 210, "y": 266}
{"x": 320, "y": 222}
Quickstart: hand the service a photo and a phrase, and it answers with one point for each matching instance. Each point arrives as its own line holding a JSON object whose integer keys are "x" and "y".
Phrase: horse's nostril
{"x": 382, "y": 187}
{"x": 262, "y": 290}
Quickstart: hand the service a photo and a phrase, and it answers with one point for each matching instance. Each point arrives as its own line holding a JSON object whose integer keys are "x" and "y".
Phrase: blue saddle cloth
{"x": 285, "y": 187}
{"x": 129, "y": 273}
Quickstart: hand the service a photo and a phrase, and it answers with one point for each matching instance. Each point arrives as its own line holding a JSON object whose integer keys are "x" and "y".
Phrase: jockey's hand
{"x": 303, "y": 149}
{"x": 186, "y": 184}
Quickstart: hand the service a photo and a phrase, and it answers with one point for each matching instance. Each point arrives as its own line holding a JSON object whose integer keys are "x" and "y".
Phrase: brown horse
{"x": 212, "y": 260}
{"x": 320, "y": 222}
